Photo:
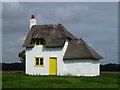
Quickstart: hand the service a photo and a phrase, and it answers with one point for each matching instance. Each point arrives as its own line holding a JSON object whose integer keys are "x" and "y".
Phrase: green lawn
{"x": 21, "y": 80}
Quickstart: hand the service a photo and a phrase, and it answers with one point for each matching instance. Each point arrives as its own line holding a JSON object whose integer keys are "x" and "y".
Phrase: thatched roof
{"x": 79, "y": 49}
{"x": 54, "y": 35}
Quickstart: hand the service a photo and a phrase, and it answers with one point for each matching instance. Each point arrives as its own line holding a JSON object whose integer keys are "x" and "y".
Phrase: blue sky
{"x": 96, "y": 23}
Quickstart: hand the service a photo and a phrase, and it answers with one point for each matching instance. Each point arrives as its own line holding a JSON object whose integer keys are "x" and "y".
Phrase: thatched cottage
{"x": 53, "y": 50}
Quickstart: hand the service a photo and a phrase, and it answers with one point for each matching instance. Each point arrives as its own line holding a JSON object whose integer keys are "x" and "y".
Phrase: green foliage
{"x": 22, "y": 56}
{"x": 21, "y": 80}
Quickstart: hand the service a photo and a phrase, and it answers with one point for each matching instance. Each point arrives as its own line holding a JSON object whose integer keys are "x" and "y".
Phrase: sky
{"x": 94, "y": 22}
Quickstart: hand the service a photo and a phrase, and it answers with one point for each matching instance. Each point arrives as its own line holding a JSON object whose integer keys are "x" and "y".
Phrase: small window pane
{"x": 37, "y": 63}
{"x": 37, "y": 59}
{"x": 41, "y": 42}
{"x": 41, "y": 59}
{"x": 41, "y": 63}
{"x": 37, "y": 42}
{"x": 33, "y": 41}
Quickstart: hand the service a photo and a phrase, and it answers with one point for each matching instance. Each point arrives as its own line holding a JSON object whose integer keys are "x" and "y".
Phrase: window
{"x": 39, "y": 42}
{"x": 39, "y": 61}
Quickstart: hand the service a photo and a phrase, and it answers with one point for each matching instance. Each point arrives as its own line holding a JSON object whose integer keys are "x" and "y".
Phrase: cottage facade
{"x": 52, "y": 50}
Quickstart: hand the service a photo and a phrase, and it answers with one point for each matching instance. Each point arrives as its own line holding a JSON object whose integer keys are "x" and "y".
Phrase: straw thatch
{"x": 53, "y": 35}
{"x": 79, "y": 49}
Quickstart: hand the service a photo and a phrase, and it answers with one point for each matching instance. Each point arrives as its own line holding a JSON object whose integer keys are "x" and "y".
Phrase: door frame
{"x": 49, "y": 63}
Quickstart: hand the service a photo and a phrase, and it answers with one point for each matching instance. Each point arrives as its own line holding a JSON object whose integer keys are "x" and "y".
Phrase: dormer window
{"x": 39, "y": 42}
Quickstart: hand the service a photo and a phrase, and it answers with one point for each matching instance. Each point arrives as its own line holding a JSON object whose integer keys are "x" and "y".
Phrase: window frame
{"x": 39, "y": 62}
{"x": 39, "y": 41}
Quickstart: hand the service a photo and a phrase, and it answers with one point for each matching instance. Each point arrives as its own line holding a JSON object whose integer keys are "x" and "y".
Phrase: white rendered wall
{"x": 64, "y": 67}
{"x": 82, "y": 67}
{"x": 41, "y": 51}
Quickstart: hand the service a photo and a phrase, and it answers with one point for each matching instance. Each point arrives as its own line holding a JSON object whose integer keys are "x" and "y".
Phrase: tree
{"x": 22, "y": 56}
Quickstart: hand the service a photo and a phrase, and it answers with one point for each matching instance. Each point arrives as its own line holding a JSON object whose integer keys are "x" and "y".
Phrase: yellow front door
{"x": 53, "y": 66}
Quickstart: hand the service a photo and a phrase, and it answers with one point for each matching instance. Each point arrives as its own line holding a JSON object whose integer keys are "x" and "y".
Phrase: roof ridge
{"x": 48, "y": 24}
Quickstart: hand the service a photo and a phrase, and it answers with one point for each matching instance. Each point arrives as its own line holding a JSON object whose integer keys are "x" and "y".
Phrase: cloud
{"x": 66, "y": 14}
{"x": 13, "y": 11}
{"x": 22, "y": 39}
{"x": 14, "y": 18}
{"x": 14, "y": 26}
{"x": 71, "y": 14}
{"x": 12, "y": 45}
{"x": 98, "y": 27}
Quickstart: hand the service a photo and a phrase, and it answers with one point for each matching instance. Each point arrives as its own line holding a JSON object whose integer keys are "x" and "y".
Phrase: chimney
{"x": 33, "y": 21}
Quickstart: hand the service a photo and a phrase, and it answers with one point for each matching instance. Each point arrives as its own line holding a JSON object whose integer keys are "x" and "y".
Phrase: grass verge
{"x": 20, "y": 80}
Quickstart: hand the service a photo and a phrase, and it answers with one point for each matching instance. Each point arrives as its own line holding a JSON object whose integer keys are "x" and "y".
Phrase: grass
{"x": 21, "y": 80}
